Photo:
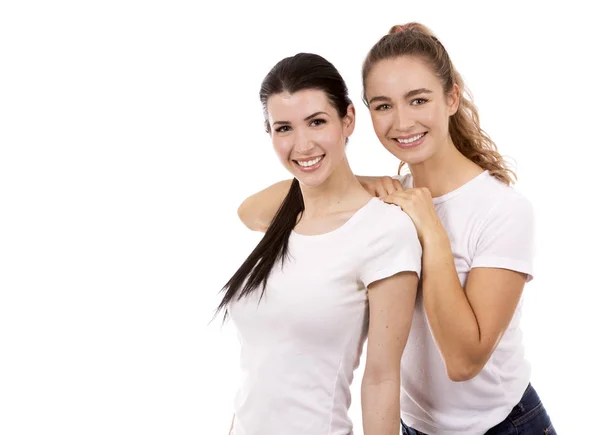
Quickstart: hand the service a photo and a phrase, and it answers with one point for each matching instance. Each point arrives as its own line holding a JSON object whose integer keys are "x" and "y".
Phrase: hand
{"x": 380, "y": 186}
{"x": 418, "y": 205}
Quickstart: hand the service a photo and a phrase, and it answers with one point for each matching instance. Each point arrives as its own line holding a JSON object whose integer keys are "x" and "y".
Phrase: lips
{"x": 413, "y": 141}
{"x": 310, "y": 164}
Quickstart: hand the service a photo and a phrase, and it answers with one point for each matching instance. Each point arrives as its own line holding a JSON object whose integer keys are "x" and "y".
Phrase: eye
{"x": 418, "y": 101}
{"x": 317, "y": 122}
{"x": 382, "y": 107}
{"x": 283, "y": 129}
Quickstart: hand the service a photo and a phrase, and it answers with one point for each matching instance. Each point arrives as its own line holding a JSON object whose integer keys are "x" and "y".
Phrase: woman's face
{"x": 308, "y": 135}
{"x": 409, "y": 109}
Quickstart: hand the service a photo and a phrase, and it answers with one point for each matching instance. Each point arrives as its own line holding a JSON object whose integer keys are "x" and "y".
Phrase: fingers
{"x": 381, "y": 186}
{"x": 371, "y": 185}
{"x": 387, "y": 185}
{"x": 391, "y": 199}
{"x": 397, "y": 184}
{"x": 398, "y": 198}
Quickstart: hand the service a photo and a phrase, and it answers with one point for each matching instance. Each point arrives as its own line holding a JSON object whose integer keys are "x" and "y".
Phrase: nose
{"x": 403, "y": 121}
{"x": 303, "y": 143}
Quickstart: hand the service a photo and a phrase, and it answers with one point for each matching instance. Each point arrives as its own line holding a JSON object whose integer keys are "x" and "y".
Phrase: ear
{"x": 349, "y": 120}
{"x": 453, "y": 99}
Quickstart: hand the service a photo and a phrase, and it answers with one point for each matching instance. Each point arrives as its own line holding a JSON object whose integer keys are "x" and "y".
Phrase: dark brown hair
{"x": 292, "y": 74}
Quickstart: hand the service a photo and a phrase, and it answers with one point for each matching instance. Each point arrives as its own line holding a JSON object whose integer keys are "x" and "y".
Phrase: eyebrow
{"x": 306, "y": 119}
{"x": 407, "y": 95}
{"x": 417, "y": 92}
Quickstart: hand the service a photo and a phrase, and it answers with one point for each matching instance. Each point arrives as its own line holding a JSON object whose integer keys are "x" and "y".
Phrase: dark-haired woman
{"x": 335, "y": 266}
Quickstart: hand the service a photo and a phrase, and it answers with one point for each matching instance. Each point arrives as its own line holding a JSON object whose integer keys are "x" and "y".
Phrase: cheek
{"x": 332, "y": 139}
{"x": 282, "y": 147}
{"x": 380, "y": 125}
{"x": 432, "y": 117}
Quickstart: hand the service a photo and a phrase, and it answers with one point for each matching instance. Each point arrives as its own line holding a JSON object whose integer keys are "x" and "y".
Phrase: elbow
{"x": 244, "y": 216}
{"x": 375, "y": 381}
{"x": 378, "y": 375}
{"x": 462, "y": 371}
{"x": 461, "y": 375}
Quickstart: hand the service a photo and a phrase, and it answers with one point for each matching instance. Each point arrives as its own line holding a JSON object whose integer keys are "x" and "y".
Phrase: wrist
{"x": 435, "y": 238}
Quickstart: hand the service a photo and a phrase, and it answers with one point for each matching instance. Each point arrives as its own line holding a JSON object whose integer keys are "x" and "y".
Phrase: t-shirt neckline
{"x": 457, "y": 191}
{"x": 354, "y": 218}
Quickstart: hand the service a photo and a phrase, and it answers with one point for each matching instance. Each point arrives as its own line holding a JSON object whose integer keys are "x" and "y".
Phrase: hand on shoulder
{"x": 380, "y": 186}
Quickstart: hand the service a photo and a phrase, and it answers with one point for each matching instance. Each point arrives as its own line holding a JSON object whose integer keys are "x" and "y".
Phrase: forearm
{"x": 258, "y": 210}
{"x": 381, "y": 407}
{"x": 450, "y": 315}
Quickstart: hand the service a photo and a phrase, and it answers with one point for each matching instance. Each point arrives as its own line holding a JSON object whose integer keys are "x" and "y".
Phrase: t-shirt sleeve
{"x": 392, "y": 247}
{"x": 506, "y": 240}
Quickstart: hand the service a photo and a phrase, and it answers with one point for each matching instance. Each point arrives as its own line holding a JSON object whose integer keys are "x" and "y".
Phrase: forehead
{"x": 299, "y": 105}
{"x": 395, "y": 77}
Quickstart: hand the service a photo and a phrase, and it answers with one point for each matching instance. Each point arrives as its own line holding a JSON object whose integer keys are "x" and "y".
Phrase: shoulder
{"x": 507, "y": 201}
{"x": 508, "y": 216}
{"x": 389, "y": 213}
{"x": 388, "y": 243}
{"x": 490, "y": 197}
{"x": 389, "y": 220}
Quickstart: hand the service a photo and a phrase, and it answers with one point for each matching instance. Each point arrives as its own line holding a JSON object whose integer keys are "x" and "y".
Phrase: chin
{"x": 413, "y": 160}
{"x": 309, "y": 181}
{"x": 412, "y": 157}
{"x": 312, "y": 180}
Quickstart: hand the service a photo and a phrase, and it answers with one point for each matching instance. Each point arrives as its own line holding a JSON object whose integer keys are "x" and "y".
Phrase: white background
{"x": 131, "y": 131}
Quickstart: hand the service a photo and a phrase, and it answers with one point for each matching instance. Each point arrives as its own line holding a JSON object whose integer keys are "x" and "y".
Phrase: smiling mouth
{"x": 409, "y": 142}
{"x": 308, "y": 165}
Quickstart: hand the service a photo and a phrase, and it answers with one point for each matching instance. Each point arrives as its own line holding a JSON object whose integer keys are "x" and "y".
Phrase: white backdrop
{"x": 130, "y": 132}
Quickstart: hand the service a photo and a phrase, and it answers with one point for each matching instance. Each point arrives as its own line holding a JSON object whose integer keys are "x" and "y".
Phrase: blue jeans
{"x": 528, "y": 417}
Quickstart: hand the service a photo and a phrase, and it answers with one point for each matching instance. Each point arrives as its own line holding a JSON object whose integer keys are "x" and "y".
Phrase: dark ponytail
{"x": 292, "y": 74}
{"x": 253, "y": 273}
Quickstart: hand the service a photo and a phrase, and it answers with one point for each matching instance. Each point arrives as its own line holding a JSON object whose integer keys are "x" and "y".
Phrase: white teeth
{"x": 412, "y": 139}
{"x": 309, "y": 163}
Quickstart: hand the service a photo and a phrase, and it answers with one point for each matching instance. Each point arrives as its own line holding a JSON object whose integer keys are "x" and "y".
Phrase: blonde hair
{"x": 415, "y": 39}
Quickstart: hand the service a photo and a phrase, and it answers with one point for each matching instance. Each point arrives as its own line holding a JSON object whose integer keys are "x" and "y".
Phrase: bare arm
{"x": 466, "y": 324}
{"x": 257, "y": 211}
{"x": 391, "y": 306}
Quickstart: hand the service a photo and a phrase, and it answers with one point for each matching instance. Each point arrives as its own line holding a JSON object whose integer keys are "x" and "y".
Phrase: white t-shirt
{"x": 489, "y": 225}
{"x": 302, "y": 342}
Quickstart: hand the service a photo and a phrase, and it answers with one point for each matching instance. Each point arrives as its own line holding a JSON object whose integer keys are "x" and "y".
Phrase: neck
{"x": 445, "y": 171}
{"x": 339, "y": 192}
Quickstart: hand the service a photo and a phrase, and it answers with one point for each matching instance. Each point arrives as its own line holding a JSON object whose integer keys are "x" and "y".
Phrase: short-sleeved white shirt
{"x": 302, "y": 342}
{"x": 489, "y": 225}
